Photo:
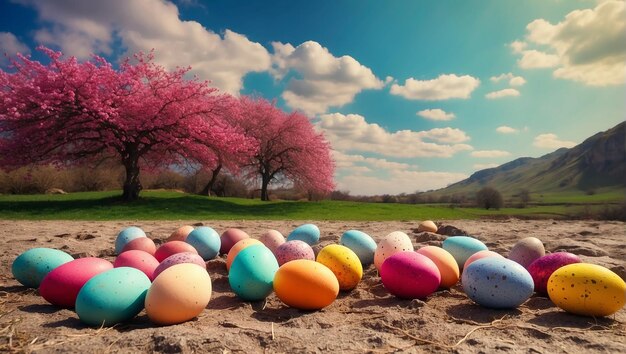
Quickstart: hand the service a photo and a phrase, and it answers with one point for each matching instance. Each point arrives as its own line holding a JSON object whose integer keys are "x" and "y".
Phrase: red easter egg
{"x": 142, "y": 244}
{"x": 230, "y": 237}
{"x": 137, "y": 259}
{"x": 169, "y": 248}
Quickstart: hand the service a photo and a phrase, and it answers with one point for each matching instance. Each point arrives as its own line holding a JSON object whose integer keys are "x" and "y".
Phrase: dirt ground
{"x": 366, "y": 319}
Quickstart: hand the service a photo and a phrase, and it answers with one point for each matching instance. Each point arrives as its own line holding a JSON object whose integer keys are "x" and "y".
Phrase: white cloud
{"x": 323, "y": 80}
{"x": 502, "y": 93}
{"x": 586, "y": 46}
{"x": 442, "y": 88}
{"x": 436, "y": 114}
{"x": 11, "y": 45}
{"x": 490, "y": 153}
{"x": 513, "y": 80}
{"x": 506, "y": 130}
{"x": 482, "y": 166}
{"x": 352, "y": 133}
{"x": 80, "y": 28}
{"x": 398, "y": 182}
{"x": 551, "y": 141}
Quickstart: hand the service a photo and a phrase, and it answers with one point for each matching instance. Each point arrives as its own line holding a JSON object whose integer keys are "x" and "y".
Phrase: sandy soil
{"x": 367, "y": 319}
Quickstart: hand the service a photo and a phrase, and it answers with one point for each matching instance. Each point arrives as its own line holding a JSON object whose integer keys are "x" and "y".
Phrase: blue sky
{"x": 413, "y": 95}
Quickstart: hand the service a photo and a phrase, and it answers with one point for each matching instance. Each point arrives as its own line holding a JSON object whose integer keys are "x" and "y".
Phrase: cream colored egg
{"x": 393, "y": 243}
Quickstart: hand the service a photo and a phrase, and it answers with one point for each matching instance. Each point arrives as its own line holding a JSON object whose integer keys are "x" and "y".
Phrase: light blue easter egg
{"x": 251, "y": 274}
{"x": 127, "y": 235}
{"x": 30, "y": 267}
{"x": 206, "y": 241}
{"x": 308, "y": 233}
{"x": 497, "y": 283}
{"x": 114, "y": 296}
{"x": 361, "y": 244}
{"x": 462, "y": 247}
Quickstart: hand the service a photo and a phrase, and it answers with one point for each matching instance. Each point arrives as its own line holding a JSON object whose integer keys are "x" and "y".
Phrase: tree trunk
{"x": 132, "y": 185}
{"x": 265, "y": 181}
{"x": 209, "y": 187}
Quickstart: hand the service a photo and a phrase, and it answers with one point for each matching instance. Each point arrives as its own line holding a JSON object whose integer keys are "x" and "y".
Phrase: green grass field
{"x": 164, "y": 205}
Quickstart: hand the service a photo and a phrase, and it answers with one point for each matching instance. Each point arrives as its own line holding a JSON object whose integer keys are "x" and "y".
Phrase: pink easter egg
{"x": 137, "y": 259}
{"x": 410, "y": 275}
{"x": 272, "y": 239}
{"x": 169, "y": 248}
{"x": 479, "y": 255}
{"x": 142, "y": 244}
{"x": 179, "y": 258}
{"x": 542, "y": 268}
{"x": 292, "y": 250}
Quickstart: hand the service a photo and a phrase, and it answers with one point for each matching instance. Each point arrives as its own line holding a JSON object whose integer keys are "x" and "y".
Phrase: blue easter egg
{"x": 361, "y": 244}
{"x": 30, "y": 267}
{"x": 251, "y": 274}
{"x": 206, "y": 241}
{"x": 308, "y": 233}
{"x": 127, "y": 235}
{"x": 114, "y": 296}
{"x": 462, "y": 247}
{"x": 497, "y": 283}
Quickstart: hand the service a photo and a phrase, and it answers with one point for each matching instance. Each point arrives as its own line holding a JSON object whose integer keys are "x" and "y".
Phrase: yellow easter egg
{"x": 344, "y": 263}
{"x": 445, "y": 262}
{"x": 587, "y": 289}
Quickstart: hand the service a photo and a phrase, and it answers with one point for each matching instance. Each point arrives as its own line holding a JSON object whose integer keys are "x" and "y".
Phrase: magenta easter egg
{"x": 542, "y": 268}
{"x": 137, "y": 259}
{"x": 410, "y": 275}
{"x": 179, "y": 258}
{"x": 230, "y": 237}
{"x": 142, "y": 244}
{"x": 169, "y": 248}
{"x": 61, "y": 286}
{"x": 480, "y": 255}
{"x": 292, "y": 250}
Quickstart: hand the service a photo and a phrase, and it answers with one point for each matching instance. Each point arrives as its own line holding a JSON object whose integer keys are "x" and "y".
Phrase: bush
{"x": 488, "y": 198}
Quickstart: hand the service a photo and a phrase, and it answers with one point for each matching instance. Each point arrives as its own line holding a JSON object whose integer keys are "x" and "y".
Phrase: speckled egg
{"x": 308, "y": 233}
{"x": 230, "y": 237}
{"x": 542, "y": 268}
{"x": 462, "y": 247}
{"x": 272, "y": 239}
{"x": 446, "y": 264}
{"x": 142, "y": 244}
{"x": 178, "y": 294}
{"x": 180, "y": 234}
{"x": 169, "y": 248}
{"x": 292, "y": 250}
{"x": 497, "y": 283}
{"x": 127, "y": 235}
{"x": 393, "y": 243}
{"x": 206, "y": 241}
{"x": 480, "y": 255}
{"x": 234, "y": 251}
{"x": 30, "y": 267}
{"x": 427, "y": 226}
{"x": 587, "y": 289}
{"x": 361, "y": 244}
{"x": 251, "y": 275}
{"x": 61, "y": 286}
{"x": 179, "y": 258}
{"x": 526, "y": 250}
{"x": 137, "y": 259}
{"x": 410, "y": 275}
{"x": 305, "y": 284}
{"x": 344, "y": 263}
{"x": 111, "y": 297}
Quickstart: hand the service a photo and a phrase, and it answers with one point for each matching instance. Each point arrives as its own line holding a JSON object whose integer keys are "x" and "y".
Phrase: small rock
{"x": 416, "y": 304}
{"x": 450, "y": 230}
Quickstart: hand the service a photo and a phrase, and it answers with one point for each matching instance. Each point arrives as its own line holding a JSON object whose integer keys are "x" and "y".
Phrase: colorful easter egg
{"x": 427, "y": 226}
{"x": 61, "y": 286}
{"x": 127, "y": 235}
{"x": 393, "y": 243}
{"x": 526, "y": 250}
{"x": 111, "y": 297}
{"x": 230, "y": 237}
{"x": 497, "y": 283}
{"x": 142, "y": 244}
{"x": 410, "y": 275}
{"x": 206, "y": 241}
{"x": 542, "y": 268}
{"x": 272, "y": 239}
{"x": 137, "y": 259}
{"x": 361, "y": 244}
{"x": 234, "y": 251}
{"x": 251, "y": 275}
{"x": 180, "y": 234}
{"x": 30, "y": 267}
{"x": 587, "y": 289}
{"x": 308, "y": 233}
{"x": 305, "y": 284}
{"x": 446, "y": 264}
{"x": 292, "y": 250}
{"x": 480, "y": 255}
{"x": 462, "y": 247}
{"x": 169, "y": 248}
{"x": 179, "y": 258}
{"x": 344, "y": 263}
{"x": 178, "y": 294}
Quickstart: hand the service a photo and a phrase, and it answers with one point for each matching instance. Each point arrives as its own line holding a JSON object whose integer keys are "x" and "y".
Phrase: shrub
{"x": 489, "y": 197}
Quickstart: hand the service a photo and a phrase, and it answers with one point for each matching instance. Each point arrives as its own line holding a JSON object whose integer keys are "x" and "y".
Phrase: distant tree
{"x": 489, "y": 197}
{"x": 524, "y": 197}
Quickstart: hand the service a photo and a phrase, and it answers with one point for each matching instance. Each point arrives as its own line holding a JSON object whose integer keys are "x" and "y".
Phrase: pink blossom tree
{"x": 288, "y": 147}
{"x": 70, "y": 112}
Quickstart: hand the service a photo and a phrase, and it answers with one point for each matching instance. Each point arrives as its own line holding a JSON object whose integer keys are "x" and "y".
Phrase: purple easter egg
{"x": 542, "y": 268}
{"x": 292, "y": 250}
{"x": 178, "y": 258}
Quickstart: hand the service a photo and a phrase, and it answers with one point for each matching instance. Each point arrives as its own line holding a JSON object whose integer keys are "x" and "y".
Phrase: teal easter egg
{"x": 308, "y": 233}
{"x": 30, "y": 267}
{"x": 206, "y": 241}
{"x": 112, "y": 297}
{"x": 251, "y": 274}
{"x": 361, "y": 244}
{"x": 127, "y": 235}
{"x": 462, "y": 247}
